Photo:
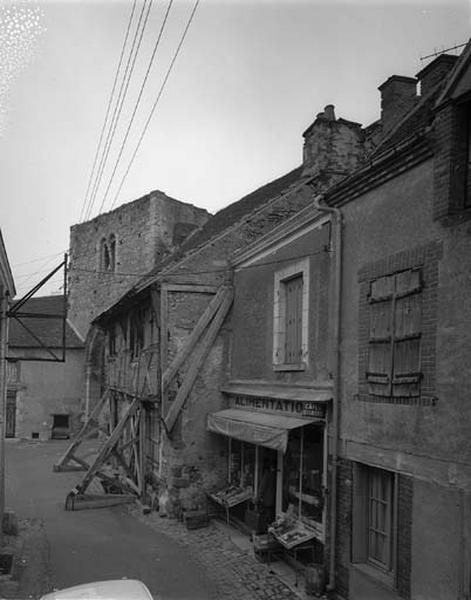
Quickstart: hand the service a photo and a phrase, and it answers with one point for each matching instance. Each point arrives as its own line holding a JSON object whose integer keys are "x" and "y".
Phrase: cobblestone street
{"x": 58, "y": 549}
{"x": 235, "y": 572}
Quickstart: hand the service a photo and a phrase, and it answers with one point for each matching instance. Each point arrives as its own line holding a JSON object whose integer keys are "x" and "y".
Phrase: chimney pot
{"x": 329, "y": 112}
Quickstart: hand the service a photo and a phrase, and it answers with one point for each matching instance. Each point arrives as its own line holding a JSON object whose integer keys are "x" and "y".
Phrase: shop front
{"x": 276, "y": 469}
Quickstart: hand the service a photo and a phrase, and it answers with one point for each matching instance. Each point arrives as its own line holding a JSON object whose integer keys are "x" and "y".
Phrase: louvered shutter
{"x": 379, "y": 372}
{"x": 407, "y": 329}
{"x": 294, "y": 318}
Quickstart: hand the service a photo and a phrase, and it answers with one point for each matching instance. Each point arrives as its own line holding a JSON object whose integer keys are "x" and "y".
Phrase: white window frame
{"x": 298, "y": 268}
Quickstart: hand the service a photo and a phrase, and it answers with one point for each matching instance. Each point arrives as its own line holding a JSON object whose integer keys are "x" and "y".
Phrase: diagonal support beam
{"x": 69, "y": 454}
{"x": 193, "y": 338}
{"x": 198, "y": 359}
{"x": 107, "y": 447}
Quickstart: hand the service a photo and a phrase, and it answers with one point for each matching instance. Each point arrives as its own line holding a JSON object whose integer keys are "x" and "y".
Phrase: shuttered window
{"x": 394, "y": 335}
{"x": 374, "y": 514}
{"x": 293, "y": 290}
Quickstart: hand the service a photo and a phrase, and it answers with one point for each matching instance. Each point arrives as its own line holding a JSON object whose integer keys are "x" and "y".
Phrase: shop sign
{"x": 313, "y": 409}
{"x": 296, "y": 408}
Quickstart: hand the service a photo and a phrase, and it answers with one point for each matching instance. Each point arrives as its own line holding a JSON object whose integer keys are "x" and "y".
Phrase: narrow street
{"x": 95, "y": 544}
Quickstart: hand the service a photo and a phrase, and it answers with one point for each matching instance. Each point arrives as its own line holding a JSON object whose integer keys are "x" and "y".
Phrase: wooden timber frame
{"x": 124, "y": 445}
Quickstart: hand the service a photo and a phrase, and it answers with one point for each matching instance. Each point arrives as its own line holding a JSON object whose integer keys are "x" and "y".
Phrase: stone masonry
{"x": 143, "y": 232}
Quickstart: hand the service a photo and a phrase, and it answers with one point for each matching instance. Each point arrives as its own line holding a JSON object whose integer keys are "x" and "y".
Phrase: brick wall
{"x": 450, "y": 156}
{"x": 344, "y": 525}
{"x": 426, "y": 257}
{"x": 404, "y": 536}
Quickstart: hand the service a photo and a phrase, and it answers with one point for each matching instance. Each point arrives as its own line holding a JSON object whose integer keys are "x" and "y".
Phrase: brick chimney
{"x": 332, "y": 146}
{"x": 435, "y": 71}
{"x": 398, "y": 96}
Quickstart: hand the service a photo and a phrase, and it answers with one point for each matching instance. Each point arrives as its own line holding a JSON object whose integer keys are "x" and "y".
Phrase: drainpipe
{"x": 3, "y": 398}
{"x": 337, "y": 218}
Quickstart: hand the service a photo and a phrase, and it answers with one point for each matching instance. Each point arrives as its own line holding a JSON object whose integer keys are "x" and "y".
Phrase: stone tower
{"x": 112, "y": 251}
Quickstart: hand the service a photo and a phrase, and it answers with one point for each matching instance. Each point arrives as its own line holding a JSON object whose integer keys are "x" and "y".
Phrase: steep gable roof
{"x": 48, "y": 330}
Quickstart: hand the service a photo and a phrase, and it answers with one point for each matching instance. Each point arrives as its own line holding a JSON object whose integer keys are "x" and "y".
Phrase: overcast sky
{"x": 250, "y": 77}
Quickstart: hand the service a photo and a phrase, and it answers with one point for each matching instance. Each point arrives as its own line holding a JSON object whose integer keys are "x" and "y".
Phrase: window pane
{"x": 379, "y": 517}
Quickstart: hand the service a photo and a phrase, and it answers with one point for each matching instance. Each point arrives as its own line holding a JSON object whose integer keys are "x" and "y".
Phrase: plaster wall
{"x": 394, "y": 218}
{"x": 45, "y": 389}
{"x": 253, "y": 311}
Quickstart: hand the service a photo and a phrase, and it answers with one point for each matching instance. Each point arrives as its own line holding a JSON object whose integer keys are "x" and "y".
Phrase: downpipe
{"x": 337, "y": 219}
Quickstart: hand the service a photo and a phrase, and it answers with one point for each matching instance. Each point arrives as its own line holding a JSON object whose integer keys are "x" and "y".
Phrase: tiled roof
{"x": 232, "y": 213}
{"x": 216, "y": 225}
{"x": 49, "y": 331}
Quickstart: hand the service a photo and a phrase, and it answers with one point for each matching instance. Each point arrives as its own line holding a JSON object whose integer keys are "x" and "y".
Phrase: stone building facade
{"x": 44, "y": 397}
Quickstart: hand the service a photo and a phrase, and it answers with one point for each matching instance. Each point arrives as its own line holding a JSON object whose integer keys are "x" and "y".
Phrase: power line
{"x": 139, "y": 33}
{"x": 182, "y": 39}
{"x": 84, "y": 203}
{"x": 137, "y": 102}
{"x": 38, "y": 259}
{"x": 324, "y": 250}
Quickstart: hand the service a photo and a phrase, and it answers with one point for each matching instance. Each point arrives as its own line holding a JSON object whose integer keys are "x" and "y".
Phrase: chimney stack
{"x": 332, "y": 146}
{"x": 398, "y": 96}
{"x": 435, "y": 72}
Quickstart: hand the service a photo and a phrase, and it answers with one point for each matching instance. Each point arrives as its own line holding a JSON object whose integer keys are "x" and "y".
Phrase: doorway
{"x": 60, "y": 427}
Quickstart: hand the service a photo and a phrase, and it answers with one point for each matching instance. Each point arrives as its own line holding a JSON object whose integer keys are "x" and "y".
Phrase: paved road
{"x": 96, "y": 544}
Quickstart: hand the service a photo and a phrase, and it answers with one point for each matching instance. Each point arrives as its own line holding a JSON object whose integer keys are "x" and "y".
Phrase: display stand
{"x": 230, "y": 497}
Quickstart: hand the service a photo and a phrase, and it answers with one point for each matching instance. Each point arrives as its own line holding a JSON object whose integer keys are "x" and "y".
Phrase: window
{"x": 395, "y": 335}
{"x": 302, "y": 474}
{"x": 290, "y": 329}
{"x": 374, "y": 514}
{"x": 108, "y": 253}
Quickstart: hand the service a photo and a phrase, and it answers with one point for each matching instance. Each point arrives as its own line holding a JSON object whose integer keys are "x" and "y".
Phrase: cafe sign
{"x": 295, "y": 408}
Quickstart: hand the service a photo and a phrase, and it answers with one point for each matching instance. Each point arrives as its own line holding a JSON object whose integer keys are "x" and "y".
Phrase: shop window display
{"x": 302, "y": 489}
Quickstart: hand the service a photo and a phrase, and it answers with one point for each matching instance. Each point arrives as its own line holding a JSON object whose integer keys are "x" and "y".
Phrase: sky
{"x": 249, "y": 78}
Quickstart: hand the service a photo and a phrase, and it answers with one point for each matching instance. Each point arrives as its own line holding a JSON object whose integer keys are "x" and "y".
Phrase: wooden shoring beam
{"x": 61, "y": 465}
{"x": 198, "y": 359}
{"x": 107, "y": 447}
{"x": 193, "y": 338}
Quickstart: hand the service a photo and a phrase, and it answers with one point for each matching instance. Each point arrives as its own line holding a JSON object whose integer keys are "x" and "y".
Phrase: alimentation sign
{"x": 294, "y": 408}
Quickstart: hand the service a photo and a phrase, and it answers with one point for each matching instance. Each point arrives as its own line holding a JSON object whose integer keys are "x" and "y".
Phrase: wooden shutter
{"x": 294, "y": 319}
{"x": 379, "y": 372}
{"x": 407, "y": 328}
{"x": 360, "y": 513}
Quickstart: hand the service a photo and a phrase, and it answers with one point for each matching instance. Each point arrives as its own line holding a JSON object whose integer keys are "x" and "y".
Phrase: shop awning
{"x": 278, "y": 391}
{"x": 264, "y": 429}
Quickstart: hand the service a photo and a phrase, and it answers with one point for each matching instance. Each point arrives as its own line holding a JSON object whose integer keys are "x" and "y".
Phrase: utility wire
{"x": 182, "y": 39}
{"x": 324, "y": 250}
{"x": 121, "y": 98}
{"x": 118, "y": 69}
{"x": 137, "y": 103}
